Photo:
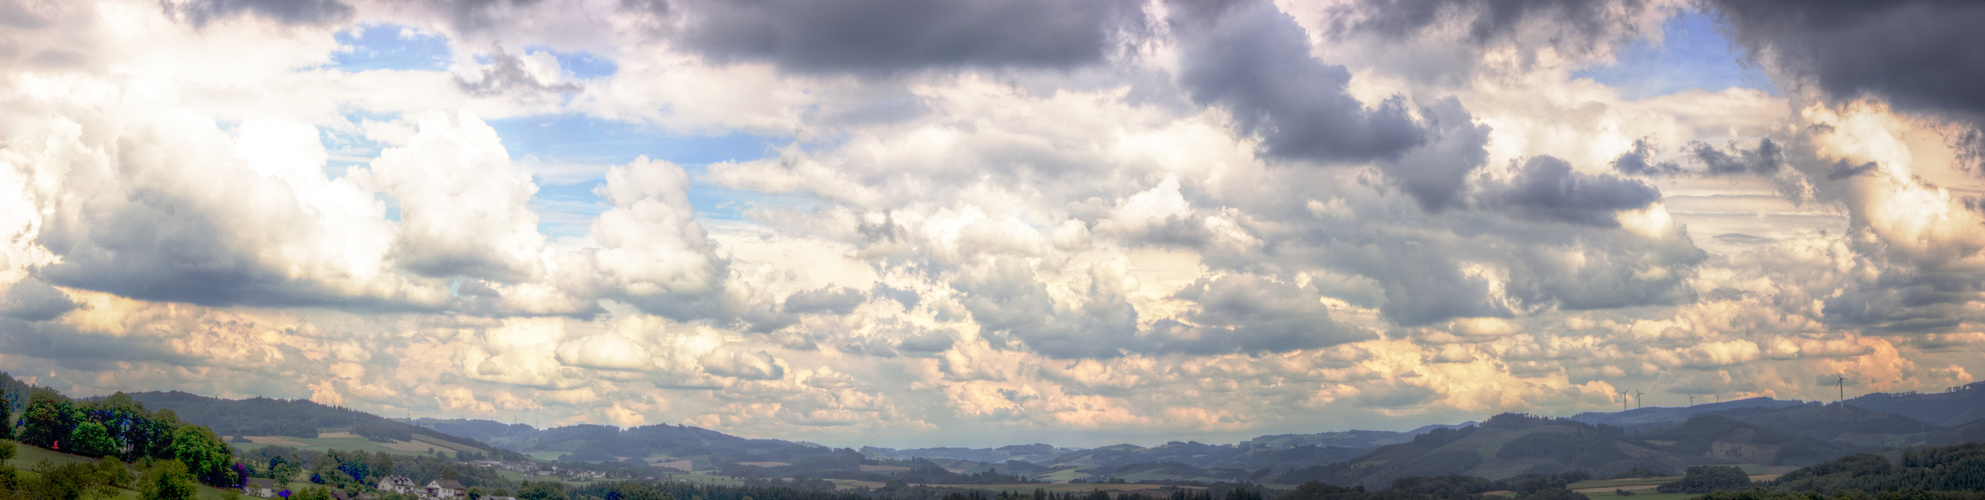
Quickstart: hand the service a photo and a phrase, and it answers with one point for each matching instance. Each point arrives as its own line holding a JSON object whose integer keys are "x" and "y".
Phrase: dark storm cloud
{"x": 1250, "y": 314}
{"x": 888, "y": 36}
{"x": 1768, "y": 158}
{"x": 1436, "y": 174}
{"x": 294, "y": 12}
{"x": 830, "y": 300}
{"x": 1546, "y": 188}
{"x": 1255, "y": 61}
{"x": 1923, "y": 56}
{"x": 1487, "y": 19}
{"x": 33, "y": 300}
{"x": 1639, "y": 161}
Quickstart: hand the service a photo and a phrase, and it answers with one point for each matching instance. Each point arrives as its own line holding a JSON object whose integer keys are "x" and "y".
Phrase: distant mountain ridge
{"x": 1757, "y": 431}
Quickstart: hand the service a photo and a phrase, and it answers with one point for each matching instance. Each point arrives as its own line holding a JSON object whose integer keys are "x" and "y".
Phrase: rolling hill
{"x": 1503, "y": 446}
{"x": 1716, "y": 436}
{"x": 308, "y": 420}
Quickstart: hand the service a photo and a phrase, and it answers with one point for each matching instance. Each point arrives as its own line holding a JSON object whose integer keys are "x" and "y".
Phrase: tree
{"x": 6, "y": 450}
{"x": 167, "y": 480}
{"x": 1709, "y": 478}
{"x": 205, "y": 455}
{"x": 90, "y": 439}
{"x": 541, "y": 490}
{"x": 311, "y": 494}
{"x": 48, "y": 419}
{"x": 6, "y": 420}
{"x": 113, "y": 471}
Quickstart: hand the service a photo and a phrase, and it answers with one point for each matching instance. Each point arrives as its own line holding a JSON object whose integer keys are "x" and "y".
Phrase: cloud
{"x": 33, "y": 300}
{"x": 1919, "y": 56}
{"x": 1253, "y": 315}
{"x": 464, "y": 206}
{"x": 745, "y": 365}
{"x": 1436, "y": 174}
{"x": 892, "y": 36}
{"x": 1766, "y": 159}
{"x": 1254, "y": 60}
{"x": 294, "y": 12}
{"x": 529, "y": 73}
{"x": 824, "y": 300}
{"x": 1547, "y": 188}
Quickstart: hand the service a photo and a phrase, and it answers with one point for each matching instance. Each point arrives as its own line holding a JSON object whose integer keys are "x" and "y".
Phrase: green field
{"x": 25, "y": 457}
{"x": 1622, "y": 483}
{"x": 418, "y": 446}
{"x": 1641, "y": 495}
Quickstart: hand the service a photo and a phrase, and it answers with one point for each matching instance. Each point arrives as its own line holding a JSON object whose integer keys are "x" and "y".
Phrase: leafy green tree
{"x": 312, "y": 493}
{"x": 6, "y": 450}
{"x": 113, "y": 471}
{"x": 10, "y": 479}
{"x": 90, "y": 439}
{"x": 167, "y": 480}
{"x": 6, "y": 420}
{"x": 48, "y": 419}
{"x": 205, "y": 455}
{"x": 1709, "y": 478}
{"x": 71, "y": 481}
{"x": 541, "y": 490}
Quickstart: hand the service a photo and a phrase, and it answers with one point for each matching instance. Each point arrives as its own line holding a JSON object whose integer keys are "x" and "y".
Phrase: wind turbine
{"x": 1623, "y": 400}
{"x": 1639, "y": 398}
{"x": 1842, "y": 384}
{"x": 1692, "y": 400}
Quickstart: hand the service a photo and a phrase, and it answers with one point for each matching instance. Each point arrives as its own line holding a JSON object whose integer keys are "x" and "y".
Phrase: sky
{"x": 983, "y": 222}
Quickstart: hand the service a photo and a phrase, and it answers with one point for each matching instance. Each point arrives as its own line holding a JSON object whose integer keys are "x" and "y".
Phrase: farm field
{"x": 420, "y": 445}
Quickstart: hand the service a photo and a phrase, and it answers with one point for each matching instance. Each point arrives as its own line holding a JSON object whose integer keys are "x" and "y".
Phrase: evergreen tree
{"x": 6, "y": 420}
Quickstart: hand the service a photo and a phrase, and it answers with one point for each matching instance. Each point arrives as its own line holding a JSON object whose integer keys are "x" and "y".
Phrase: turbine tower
{"x": 1623, "y": 400}
{"x": 1692, "y": 400}
{"x": 1842, "y": 384}
{"x": 1639, "y": 398}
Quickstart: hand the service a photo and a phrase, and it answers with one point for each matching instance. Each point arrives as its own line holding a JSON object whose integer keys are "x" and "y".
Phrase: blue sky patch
{"x": 572, "y": 152}
{"x": 390, "y": 46}
{"x": 585, "y": 65}
{"x": 1692, "y": 54}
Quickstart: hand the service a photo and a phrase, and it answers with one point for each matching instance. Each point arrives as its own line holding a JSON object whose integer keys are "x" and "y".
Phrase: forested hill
{"x": 1946, "y": 468}
{"x": 296, "y": 418}
{"x": 14, "y": 393}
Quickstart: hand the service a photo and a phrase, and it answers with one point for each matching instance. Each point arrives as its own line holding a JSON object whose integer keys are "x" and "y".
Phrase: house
{"x": 258, "y": 487}
{"x": 446, "y": 488}
{"x": 400, "y": 484}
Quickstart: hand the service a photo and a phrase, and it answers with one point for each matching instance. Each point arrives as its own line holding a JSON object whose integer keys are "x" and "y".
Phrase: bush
{"x": 167, "y": 480}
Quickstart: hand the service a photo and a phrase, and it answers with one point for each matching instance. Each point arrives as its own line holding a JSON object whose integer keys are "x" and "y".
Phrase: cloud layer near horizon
{"x": 1075, "y": 221}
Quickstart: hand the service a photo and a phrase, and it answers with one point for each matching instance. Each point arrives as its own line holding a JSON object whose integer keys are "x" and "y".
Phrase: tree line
{"x": 119, "y": 427}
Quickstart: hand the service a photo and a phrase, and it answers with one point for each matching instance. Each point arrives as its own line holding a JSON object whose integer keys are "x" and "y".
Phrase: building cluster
{"x": 525, "y": 468}
{"x": 439, "y": 489}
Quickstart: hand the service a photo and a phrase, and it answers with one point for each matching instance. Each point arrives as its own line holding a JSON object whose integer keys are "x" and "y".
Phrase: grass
{"x": 1622, "y": 483}
{"x": 417, "y": 446}
{"x": 1641, "y": 495}
{"x": 25, "y": 457}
